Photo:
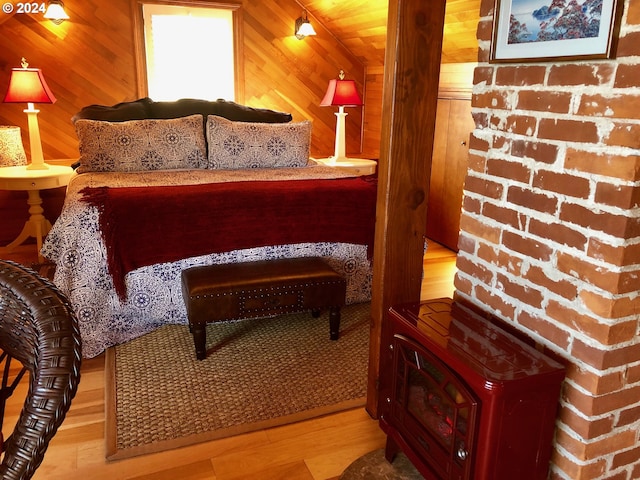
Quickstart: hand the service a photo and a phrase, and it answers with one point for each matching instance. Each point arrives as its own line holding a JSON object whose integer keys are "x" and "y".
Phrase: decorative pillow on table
{"x": 11, "y": 148}
{"x": 139, "y": 145}
{"x": 235, "y": 145}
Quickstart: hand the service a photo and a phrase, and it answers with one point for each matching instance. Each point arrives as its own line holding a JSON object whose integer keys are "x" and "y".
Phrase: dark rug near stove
{"x": 373, "y": 466}
{"x": 258, "y": 374}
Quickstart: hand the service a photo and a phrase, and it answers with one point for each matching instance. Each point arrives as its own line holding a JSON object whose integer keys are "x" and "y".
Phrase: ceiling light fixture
{"x": 55, "y": 12}
{"x": 303, "y": 28}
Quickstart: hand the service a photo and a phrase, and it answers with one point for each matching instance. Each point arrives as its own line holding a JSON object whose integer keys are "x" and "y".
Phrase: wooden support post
{"x": 412, "y": 67}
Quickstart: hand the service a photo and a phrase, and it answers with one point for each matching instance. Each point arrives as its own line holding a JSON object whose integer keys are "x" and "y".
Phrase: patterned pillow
{"x": 139, "y": 145}
{"x": 11, "y": 148}
{"x": 234, "y": 145}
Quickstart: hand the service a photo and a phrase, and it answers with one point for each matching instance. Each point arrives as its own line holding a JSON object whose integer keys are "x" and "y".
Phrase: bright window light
{"x": 189, "y": 52}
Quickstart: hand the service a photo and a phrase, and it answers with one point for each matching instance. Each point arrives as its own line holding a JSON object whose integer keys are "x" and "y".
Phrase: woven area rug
{"x": 257, "y": 374}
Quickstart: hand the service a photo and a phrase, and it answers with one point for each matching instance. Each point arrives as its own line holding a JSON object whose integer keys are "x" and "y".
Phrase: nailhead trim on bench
{"x": 236, "y": 292}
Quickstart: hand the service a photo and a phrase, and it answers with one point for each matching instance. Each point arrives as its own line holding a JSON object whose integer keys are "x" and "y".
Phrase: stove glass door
{"x": 435, "y": 408}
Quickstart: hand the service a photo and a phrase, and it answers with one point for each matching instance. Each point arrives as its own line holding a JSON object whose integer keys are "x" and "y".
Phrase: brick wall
{"x": 550, "y": 234}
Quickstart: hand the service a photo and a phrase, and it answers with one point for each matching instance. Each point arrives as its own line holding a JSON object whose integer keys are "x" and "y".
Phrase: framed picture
{"x": 546, "y": 30}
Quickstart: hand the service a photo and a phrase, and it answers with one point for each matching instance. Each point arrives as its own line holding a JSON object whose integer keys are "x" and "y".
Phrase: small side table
{"x": 359, "y": 166}
{"x": 32, "y": 181}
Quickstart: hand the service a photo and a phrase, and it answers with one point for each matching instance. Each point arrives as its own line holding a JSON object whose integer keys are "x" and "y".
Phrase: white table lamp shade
{"x": 11, "y": 148}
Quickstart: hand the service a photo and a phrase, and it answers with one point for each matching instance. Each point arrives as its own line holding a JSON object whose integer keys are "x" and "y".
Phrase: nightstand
{"x": 32, "y": 181}
{"x": 359, "y": 166}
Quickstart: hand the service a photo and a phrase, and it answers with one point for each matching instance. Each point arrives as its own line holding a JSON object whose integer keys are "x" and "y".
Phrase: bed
{"x": 132, "y": 221}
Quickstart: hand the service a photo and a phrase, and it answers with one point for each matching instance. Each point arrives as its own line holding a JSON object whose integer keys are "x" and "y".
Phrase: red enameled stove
{"x": 463, "y": 398}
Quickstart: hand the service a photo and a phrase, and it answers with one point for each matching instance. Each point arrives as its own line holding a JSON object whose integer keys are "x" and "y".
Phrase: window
{"x": 186, "y": 50}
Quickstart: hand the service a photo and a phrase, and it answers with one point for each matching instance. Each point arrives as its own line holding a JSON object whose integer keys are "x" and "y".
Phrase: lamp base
{"x": 37, "y": 160}
{"x": 37, "y": 166}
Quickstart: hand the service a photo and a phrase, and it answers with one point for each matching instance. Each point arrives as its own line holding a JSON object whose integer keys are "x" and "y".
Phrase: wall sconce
{"x": 27, "y": 85}
{"x": 55, "y": 12}
{"x": 303, "y": 27}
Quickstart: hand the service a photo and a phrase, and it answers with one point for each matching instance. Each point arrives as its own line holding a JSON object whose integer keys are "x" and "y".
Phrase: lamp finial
{"x": 341, "y": 75}
{"x": 24, "y": 63}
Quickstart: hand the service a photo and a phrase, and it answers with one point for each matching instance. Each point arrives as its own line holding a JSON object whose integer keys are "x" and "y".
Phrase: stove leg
{"x": 390, "y": 450}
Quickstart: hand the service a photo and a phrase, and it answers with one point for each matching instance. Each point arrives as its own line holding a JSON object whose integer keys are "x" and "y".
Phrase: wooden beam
{"x": 412, "y": 67}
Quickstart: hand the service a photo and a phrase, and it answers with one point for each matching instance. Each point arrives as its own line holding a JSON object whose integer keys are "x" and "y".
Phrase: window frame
{"x": 139, "y": 41}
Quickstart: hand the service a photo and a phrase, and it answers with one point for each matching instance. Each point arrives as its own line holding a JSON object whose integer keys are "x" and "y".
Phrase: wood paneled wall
{"x": 90, "y": 59}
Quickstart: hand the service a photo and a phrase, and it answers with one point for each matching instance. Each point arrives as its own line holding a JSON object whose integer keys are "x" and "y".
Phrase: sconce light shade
{"x": 55, "y": 12}
{"x": 303, "y": 28}
{"x": 11, "y": 148}
{"x": 27, "y": 85}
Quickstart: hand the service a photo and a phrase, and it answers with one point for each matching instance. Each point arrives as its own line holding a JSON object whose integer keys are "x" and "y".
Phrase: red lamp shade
{"x": 27, "y": 85}
{"x": 341, "y": 93}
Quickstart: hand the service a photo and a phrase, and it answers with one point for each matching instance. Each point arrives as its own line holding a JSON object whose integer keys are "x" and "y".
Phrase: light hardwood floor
{"x": 318, "y": 449}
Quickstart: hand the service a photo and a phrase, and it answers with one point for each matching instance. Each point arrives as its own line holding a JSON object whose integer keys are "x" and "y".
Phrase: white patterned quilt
{"x": 154, "y": 293}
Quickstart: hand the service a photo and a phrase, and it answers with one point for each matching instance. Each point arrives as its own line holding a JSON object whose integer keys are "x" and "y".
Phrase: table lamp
{"x": 27, "y": 85}
{"x": 341, "y": 93}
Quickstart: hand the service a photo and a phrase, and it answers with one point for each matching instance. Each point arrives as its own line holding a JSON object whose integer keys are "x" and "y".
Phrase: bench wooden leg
{"x": 199, "y": 332}
{"x": 334, "y": 323}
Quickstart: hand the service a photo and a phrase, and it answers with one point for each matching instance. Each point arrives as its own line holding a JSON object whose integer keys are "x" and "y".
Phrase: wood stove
{"x": 463, "y": 398}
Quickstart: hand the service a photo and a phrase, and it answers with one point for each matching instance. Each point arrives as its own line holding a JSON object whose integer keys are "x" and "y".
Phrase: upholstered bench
{"x": 260, "y": 289}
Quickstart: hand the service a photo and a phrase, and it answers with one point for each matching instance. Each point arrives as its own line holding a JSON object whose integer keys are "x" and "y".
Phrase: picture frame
{"x": 554, "y": 30}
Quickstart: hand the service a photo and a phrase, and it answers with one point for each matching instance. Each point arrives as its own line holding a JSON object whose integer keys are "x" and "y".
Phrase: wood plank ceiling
{"x": 361, "y": 25}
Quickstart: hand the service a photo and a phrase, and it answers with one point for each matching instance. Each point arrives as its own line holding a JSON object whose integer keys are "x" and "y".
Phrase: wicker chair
{"x": 38, "y": 329}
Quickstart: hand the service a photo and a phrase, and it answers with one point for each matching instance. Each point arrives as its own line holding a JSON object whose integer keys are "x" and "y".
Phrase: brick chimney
{"x": 550, "y": 234}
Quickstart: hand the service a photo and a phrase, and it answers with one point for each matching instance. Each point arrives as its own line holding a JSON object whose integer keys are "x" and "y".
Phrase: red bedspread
{"x": 142, "y": 226}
